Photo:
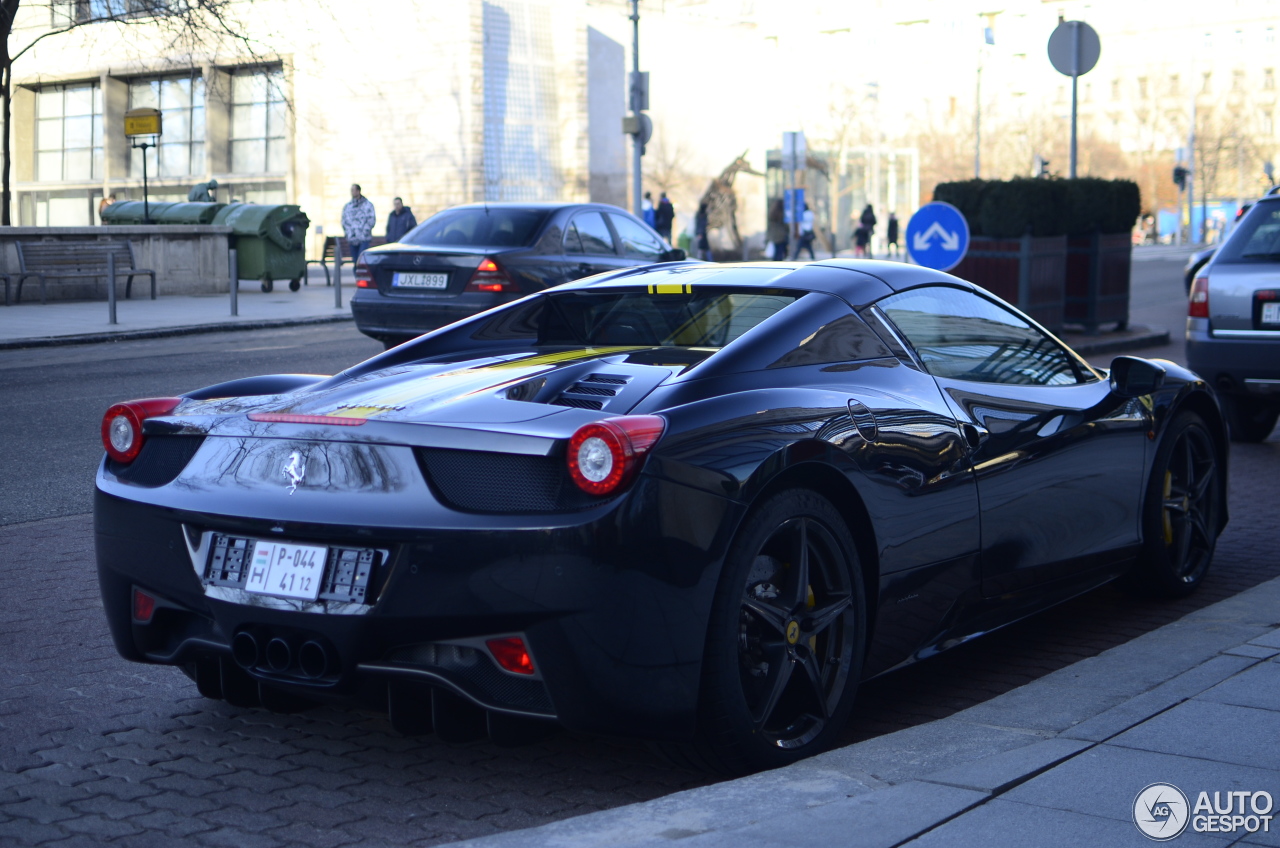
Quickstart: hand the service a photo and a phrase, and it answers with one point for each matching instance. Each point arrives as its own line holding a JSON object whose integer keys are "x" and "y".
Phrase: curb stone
{"x": 166, "y": 332}
{"x": 886, "y": 791}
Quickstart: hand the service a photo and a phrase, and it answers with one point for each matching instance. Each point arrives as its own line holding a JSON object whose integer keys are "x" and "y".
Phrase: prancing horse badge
{"x": 295, "y": 470}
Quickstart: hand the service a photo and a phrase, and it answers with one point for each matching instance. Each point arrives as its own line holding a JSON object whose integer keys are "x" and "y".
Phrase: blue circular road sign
{"x": 937, "y": 236}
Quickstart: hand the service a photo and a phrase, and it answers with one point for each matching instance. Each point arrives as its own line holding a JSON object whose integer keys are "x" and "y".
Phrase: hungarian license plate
{"x": 286, "y": 571}
{"x": 1271, "y": 313}
{"x": 420, "y": 281}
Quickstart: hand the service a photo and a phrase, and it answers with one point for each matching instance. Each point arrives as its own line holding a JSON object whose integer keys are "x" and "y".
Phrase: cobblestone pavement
{"x": 94, "y": 749}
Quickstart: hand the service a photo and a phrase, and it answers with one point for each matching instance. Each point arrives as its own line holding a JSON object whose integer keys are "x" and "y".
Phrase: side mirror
{"x": 675, "y": 254}
{"x": 1132, "y": 377}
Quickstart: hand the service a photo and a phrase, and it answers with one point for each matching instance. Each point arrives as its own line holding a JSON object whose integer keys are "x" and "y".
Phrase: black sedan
{"x": 471, "y": 258}
{"x": 694, "y": 503}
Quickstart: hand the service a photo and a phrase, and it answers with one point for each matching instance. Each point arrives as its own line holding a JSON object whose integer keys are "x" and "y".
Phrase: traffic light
{"x": 1180, "y": 177}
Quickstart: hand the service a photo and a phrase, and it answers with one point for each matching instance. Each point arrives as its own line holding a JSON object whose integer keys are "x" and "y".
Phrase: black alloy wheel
{"x": 1182, "y": 510}
{"x": 787, "y": 638}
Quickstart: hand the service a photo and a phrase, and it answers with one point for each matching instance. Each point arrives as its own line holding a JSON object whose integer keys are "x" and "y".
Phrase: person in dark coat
{"x": 202, "y": 192}
{"x": 663, "y": 217}
{"x": 400, "y": 221}
{"x": 868, "y": 221}
{"x": 892, "y": 234}
{"x": 861, "y": 238}
{"x": 777, "y": 232}
{"x": 700, "y": 233}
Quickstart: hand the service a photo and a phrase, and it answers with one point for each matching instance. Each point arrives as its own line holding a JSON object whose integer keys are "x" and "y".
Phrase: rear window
{"x": 492, "y": 227}
{"x": 699, "y": 319}
{"x": 1256, "y": 238}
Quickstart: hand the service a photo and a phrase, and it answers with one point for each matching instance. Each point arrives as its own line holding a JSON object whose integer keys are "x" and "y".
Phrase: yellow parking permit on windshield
{"x": 670, "y": 288}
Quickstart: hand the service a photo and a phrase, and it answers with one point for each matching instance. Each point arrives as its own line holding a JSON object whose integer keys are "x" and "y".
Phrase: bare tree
{"x": 184, "y": 26}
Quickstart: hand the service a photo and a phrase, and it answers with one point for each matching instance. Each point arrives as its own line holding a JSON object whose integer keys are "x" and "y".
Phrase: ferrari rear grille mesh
{"x": 593, "y": 391}
{"x": 479, "y": 481}
{"x": 160, "y": 461}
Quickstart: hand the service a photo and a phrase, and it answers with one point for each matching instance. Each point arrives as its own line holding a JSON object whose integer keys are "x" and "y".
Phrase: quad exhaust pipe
{"x": 313, "y": 660}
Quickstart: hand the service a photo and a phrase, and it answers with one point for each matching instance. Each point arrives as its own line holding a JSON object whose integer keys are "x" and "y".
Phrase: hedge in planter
{"x": 1043, "y": 207}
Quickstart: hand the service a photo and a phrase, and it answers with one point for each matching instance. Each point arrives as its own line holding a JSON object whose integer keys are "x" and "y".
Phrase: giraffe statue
{"x": 722, "y": 201}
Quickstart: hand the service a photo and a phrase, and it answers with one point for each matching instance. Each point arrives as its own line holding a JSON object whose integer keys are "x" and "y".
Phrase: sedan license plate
{"x": 1271, "y": 313}
{"x": 286, "y": 571}
{"x": 420, "y": 281}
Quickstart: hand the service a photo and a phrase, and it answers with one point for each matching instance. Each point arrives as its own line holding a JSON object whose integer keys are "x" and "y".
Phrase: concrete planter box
{"x": 1029, "y": 272}
{"x": 1098, "y": 280}
{"x": 187, "y": 259}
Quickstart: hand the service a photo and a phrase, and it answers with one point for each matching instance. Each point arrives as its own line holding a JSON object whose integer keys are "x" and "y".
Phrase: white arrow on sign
{"x": 950, "y": 240}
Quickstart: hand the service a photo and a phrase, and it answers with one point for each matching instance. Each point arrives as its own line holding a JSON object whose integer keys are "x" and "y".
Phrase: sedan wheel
{"x": 787, "y": 637}
{"x": 1181, "y": 518}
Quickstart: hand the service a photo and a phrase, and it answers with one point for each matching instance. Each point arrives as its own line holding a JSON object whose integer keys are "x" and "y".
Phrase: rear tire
{"x": 1180, "y": 511}
{"x": 1249, "y": 420}
{"x": 786, "y": 639}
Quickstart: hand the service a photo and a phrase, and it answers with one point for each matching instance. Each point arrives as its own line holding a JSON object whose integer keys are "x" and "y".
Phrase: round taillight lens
{"x": 122, "y": 425}
{"x": 605, "y": 455}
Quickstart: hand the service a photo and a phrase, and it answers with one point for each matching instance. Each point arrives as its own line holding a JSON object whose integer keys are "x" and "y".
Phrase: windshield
{"x": 478, "y": 227}
{"x": 701, "y": 319}
{"x": 1256, "y": 238}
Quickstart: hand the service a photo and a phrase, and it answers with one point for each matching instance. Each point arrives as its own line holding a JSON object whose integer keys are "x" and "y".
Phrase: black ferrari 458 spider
{"x": 693, "y": 503}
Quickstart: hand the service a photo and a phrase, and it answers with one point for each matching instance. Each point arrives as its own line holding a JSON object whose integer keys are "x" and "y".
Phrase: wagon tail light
{"x": 122, "y": 425}
{"x": 1198, "y": 306}
{"x": 606, "y": 455}
{"x": 490, "y": 277}
{"x": 364, "y": 277}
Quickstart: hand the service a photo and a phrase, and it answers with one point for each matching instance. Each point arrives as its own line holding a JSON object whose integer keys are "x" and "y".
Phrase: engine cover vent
{"x": 593, "y": 391}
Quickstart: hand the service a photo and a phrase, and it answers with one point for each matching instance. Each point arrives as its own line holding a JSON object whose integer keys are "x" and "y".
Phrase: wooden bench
{"x": 332, "y": 244}
{"x": 70, "y": 260}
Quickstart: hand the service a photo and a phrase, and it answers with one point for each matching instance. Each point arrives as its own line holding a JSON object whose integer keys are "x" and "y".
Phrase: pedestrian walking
{"x": 777, "y": 232}
{"x": 805, "y": 239}
{"x": 400, "y": 221}
{"x": 700, "y": 233}
{"x": 892, "y": 234}
{"x": 358, "y": 219}
{"x": 202, "y": 192}
{"x": 663, "y": 217}
{"x": 861, "y": 238}
{"x": 868, "y": 220}
{"x": 647, "y": 210}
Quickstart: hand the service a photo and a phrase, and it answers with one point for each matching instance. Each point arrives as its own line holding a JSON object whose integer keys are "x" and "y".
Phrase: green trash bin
{"x": 135, "y": 212}
{"x": 270, "y": 241}
{"x": 186, "y": 213}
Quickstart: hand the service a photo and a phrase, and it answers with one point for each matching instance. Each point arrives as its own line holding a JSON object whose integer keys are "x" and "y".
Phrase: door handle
{"x": 974, "y": 435}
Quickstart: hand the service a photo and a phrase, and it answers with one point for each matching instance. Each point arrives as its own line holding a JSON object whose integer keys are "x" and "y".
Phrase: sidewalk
{"x": 29, "y": 324}
{"x": 1058, "y": 762}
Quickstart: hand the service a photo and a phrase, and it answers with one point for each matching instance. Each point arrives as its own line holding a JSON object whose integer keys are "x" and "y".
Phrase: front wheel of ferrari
{"x": 786, "y": 638}
{"x": 1181, "y": 511}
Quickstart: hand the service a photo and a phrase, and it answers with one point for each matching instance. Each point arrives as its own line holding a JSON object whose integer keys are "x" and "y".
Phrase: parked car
{"x": 1233, "y": 326}
{"x": 471, "y": 258}
{"x": 690, "y": 503}
{"x": 1200, "y": 258}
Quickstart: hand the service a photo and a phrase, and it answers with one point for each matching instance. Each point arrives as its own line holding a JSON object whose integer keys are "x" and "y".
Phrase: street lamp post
{"x": 637, "y": 145}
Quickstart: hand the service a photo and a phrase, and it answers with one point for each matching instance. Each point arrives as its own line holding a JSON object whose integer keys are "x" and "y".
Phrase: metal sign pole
{"x": 637, "y": 182}
{"x": 1075, "y": 85}
{"x": 337, "y": 276}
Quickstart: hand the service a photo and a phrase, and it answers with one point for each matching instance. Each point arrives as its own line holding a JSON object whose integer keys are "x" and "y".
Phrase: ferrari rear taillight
{"x": 122, "y": 425}
{"x": 144, "y": 606}
{"x": 364, "y": 277}
{"x": 512, "y": 654}
{"x": 1198, "y": 306}
{"x": 490, "y": 277}
{"x": 605, "y": 455}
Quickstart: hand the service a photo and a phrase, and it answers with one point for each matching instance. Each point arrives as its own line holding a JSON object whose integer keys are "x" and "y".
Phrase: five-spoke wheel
{"x": 785, "y": 647}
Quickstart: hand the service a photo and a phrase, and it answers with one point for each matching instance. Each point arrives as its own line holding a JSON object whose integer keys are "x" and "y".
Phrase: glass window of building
{"x": 258, "y": 119}
{"x": 181, "y": 102}
{"x": 69, "y": 133}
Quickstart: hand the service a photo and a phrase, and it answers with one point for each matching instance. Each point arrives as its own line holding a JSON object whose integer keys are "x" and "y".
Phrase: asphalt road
{"x": 93, "y": 748}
